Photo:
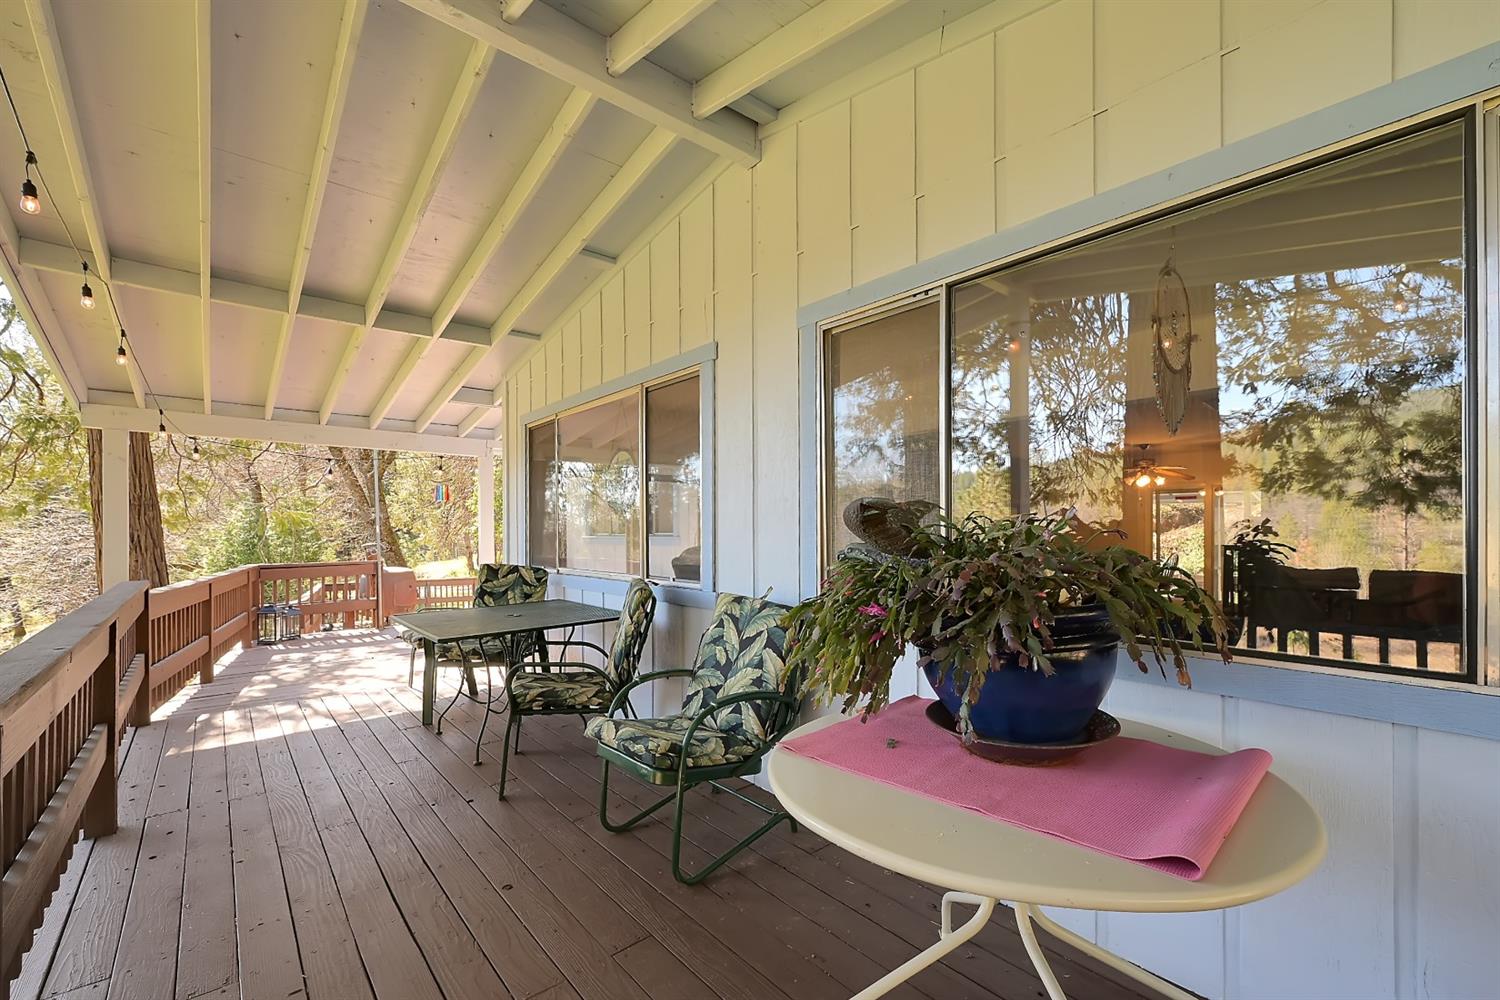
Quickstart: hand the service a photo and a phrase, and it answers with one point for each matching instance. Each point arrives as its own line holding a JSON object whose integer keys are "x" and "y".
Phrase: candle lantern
{"x": 291, "y": 622}
{"x": 267, "y": 624}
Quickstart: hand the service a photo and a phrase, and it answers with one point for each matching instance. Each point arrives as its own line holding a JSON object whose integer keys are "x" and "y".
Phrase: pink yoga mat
{"x": 1162, "y": 807}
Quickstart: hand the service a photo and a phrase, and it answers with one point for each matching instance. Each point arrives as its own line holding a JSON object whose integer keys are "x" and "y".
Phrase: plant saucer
{"x": 1101, "y": 727}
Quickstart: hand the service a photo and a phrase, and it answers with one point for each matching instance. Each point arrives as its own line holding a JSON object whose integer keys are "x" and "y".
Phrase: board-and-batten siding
{"x": 992, "y": 128}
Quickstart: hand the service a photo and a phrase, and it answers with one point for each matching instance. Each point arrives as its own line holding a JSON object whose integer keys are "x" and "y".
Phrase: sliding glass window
{"x": 589, "y": 507}
{"x": 1270, "y": 387}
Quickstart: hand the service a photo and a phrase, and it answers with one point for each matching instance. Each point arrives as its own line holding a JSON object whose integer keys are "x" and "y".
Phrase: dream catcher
{"x": 1172, "y": 355}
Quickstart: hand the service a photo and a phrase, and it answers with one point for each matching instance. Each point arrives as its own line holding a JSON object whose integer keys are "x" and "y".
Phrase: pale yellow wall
{"x": 999, "y": 127}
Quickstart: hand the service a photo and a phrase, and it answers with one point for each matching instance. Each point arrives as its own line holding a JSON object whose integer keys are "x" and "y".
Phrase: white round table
{"x": 1278, "y": 841}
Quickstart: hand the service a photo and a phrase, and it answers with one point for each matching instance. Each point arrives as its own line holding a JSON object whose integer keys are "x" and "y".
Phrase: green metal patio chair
{"x": 499, "y": 584}
{"x": 741, "y": 699}
{"x": 572, "y": 687}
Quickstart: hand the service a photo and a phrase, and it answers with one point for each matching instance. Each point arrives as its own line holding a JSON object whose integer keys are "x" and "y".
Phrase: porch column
{"x": 485, "y": 470}
{"x": 114, "y": 516}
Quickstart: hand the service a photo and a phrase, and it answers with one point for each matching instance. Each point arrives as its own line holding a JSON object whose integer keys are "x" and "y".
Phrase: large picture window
{"x": 592, "y": 508}
{"x": 1271, "y": 388}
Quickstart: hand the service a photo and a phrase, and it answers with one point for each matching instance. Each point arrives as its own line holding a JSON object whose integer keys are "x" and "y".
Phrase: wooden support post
{"x": 485, "y": 472}
{"x": 101, "y": 812}
{"x": 114, "y": 558}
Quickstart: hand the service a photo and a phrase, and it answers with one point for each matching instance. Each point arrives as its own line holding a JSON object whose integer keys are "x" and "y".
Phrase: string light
{"x": 86, "y": 294}
{"x": 161, "y": 423}
{"x": 31, "y": 202}
{"x": 196, "y": 453}
{"x": 120, "y": 356}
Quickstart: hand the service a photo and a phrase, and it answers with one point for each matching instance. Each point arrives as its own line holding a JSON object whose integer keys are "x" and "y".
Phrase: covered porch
{"x": 291, "y": 829}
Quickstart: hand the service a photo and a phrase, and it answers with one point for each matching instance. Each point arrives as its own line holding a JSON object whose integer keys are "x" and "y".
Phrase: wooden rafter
{"x": 192, "y": 421}
{"x": 638, "y": 37}
{"x": 635, "y": 170}
{"x": 512, "y": 10}
{"x": 470, "y": 422}
{"x": 470, "y": 80}
{"x": 783, "y": 49}
{"x": 551, "y": 148}
{"x": 561, "y": 47}
{"x": 202, "y": 17}
{"x": 350, "y": 27}
{"x": 43, "y": 256}
{"x": 55, "y": 72}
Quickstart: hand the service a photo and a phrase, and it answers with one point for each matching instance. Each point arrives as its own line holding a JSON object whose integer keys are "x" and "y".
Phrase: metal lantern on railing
{"x": 291, "y": 622}
{"x": 267, "y": 624}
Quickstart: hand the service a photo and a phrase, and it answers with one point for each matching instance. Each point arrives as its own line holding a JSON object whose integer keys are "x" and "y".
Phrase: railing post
{"x": 252, "y": 593}
{"x": 140, "y": 711}
{"x": 101, "y": 812}
{"x": 378, "y": 580}
{"x": 205, "y": 616}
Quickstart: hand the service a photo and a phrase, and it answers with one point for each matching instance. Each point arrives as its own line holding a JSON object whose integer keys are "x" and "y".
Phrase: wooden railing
{"x": 453, "y": 592}
{"x": 65, "y": 697}
{"x": 346, "y": 594}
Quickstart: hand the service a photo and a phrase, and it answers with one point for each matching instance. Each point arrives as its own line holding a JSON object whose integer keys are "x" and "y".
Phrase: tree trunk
{"x": 10, "y": 605}
{"x": 357, "y": 477}
{"x": 148, "y": 546}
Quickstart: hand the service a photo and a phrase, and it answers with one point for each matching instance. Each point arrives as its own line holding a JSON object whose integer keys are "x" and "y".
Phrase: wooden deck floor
{"x": 291, "y": 830}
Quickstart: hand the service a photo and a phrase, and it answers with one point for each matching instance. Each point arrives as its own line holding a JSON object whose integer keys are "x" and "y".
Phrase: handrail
{"x": 64, "y": 697}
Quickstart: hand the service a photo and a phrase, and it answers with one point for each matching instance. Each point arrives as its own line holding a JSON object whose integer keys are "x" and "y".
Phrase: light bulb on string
{"x": 120, "y": 356}
{"x": 31, "y": 202}
{"x": 161, "y": 424}
{"x": 86, "y": 294}
{"x": 196, "y": 453}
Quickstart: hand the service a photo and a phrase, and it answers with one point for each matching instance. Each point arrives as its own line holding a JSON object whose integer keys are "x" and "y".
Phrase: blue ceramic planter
{"x": 1020, "y": 705}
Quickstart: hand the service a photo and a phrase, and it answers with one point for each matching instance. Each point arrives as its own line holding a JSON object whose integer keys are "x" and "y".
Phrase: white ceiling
{"x": 430, "y": 132}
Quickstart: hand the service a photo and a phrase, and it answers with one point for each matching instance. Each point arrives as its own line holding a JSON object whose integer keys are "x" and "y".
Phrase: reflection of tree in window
{"x": 1347, "y": 386}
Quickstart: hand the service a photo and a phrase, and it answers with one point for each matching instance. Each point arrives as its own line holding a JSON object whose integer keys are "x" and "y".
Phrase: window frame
{"x": 701, "y": 370}
{"x": 1481, "y": 131}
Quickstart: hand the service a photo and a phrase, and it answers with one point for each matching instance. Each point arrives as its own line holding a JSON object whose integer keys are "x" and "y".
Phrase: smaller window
{"x": 674, "y": 483}
{"x": 586, "y": 494}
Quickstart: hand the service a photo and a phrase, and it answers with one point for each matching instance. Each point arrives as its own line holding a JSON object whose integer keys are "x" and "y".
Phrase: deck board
{"x": 292, "y": 831}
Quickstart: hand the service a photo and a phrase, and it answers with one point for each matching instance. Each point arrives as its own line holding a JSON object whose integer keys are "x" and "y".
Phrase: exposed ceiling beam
{"x": 470, "y": 422}
{"x": 564, "y": 127}
{"x": 42, "y": 256}
{"x": 201, "y": 16}
{"x": 55, "y": 72}
{"x": 624, "y": 183}
{"x": 290, "y": 426}
{"x": 342, "y": 69}
{"x": 783, "y": 49}
{"x": 440, "y": 149}
{"x": 512, "y": 10}
{"x": 58, "y": 353}
{"x": 473, "y": 395}
{"x": 638, "y": 37}
{"x": 559, "y": 46}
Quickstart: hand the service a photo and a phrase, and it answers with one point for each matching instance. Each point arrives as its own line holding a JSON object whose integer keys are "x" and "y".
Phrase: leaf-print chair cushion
{"x": 533, "y": 691}
{"x": 657, "y": 743}
{"x": 500, "y": 584}
{"x": 743, "y": 650}
{"x": 555, "y": 686}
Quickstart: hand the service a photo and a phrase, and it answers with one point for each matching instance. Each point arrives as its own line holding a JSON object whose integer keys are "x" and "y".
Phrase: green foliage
{"x": 1257, "y": 541}
{"x": 985, "y": 595}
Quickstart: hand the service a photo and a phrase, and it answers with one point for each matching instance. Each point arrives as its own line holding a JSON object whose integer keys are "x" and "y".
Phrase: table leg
{"x": 947, "y": 942}
{"x": 1027, "y": 914}
{"x": 429, "y": 679}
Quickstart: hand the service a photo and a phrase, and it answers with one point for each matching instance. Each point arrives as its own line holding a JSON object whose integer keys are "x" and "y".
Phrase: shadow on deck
{"x": 291, "y": 830}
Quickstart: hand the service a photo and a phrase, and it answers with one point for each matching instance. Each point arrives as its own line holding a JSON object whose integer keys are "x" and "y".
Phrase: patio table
{"x": 454, "y": 624}
{"x": 1278, "y": 841}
